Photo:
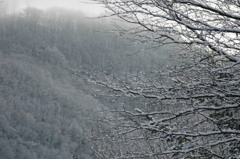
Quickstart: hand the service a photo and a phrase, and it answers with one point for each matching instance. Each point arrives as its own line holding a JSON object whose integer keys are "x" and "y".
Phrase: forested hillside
{"x": 44, "y": 108}
{"x": 43, "y": 114}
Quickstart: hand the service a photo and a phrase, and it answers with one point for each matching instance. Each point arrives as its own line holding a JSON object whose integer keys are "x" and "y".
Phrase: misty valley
{"x": 45, "y": 107}
{"x": 75, "y": 87}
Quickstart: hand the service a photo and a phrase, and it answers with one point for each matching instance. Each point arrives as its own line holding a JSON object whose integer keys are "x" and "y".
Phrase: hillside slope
{"x": 42, "y": 114}
{"x": 44, "y": 109}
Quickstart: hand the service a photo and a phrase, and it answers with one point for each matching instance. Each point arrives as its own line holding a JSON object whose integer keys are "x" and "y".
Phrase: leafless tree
{"x": 209, "y": 23}
{"x": 186, "y": 111}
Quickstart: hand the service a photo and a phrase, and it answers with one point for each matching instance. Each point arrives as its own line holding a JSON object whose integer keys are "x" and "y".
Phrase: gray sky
{"x": 88, "y": 9}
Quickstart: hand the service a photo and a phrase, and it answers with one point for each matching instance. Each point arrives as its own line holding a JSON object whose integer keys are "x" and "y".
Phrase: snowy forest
{"x": 45, "y": 107}
{"x": 155, "y": 79}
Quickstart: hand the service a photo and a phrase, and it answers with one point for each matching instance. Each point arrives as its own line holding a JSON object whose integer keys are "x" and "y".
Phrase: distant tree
{"x": 186, "y": 111}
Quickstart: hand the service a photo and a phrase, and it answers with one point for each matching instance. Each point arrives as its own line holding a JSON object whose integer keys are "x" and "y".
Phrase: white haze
{"x": 86, "y": 6}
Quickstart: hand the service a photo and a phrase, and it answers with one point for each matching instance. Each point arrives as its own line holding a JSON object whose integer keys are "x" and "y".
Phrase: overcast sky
{"x": 88, "y": 9}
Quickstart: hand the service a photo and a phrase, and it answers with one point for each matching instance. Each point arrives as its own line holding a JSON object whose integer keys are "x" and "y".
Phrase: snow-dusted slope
{"x": 44, "y": 108}
{"x": 43, "y": 115}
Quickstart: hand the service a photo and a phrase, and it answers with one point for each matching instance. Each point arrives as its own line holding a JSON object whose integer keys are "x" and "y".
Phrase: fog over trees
{"x": 157, "y": 79}
{"x": 46, "y": 111}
